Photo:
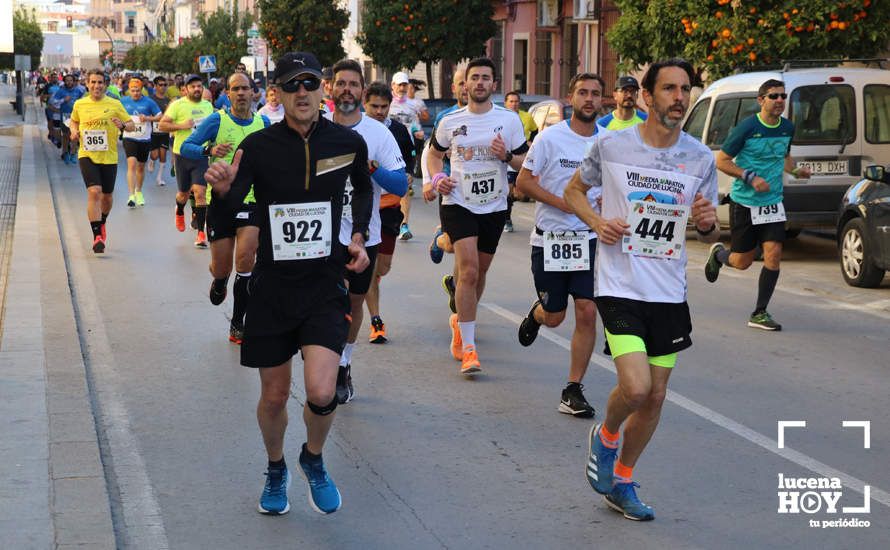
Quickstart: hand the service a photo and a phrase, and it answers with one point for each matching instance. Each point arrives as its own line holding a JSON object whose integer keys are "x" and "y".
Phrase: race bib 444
{"x": 657, "y": 230}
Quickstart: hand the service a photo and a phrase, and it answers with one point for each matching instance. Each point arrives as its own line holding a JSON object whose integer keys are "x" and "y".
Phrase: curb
{"x": 64, "y": 483}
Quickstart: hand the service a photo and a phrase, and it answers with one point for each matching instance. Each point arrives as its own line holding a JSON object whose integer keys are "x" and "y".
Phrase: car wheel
{"x": 857, "y": 266}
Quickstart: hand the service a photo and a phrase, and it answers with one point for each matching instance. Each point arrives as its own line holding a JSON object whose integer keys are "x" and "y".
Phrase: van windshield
{"x": 823, "y": 115}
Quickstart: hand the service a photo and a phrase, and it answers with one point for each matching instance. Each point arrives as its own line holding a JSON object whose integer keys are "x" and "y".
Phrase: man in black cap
{"x": 626, "y": 113}
{"x": 297, "y": 298}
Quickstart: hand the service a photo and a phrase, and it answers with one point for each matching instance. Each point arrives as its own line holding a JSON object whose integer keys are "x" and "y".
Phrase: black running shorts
{"x": 138, "y": 149}
{"x": 665, "y": 328}
{"x": 284, "y": 315}
{"x": 745, "y": 236}
{"x": 189, "y": 172}
{"x": 359, "y": 283}
{"x": 390, "y": 222}
{"x": 222, "y": 223}
{"x": 460, "y": 223}
{"x": 554, "y": 287}
{"x": 160, "y": 141}
{"x": 98, "y": 174}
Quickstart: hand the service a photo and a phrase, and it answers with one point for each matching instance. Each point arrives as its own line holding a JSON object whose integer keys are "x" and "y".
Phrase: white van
{"x": 841, "y": 119}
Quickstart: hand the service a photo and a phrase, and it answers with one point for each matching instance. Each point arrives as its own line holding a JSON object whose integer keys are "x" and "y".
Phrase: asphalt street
{"x": 425, "y": 458}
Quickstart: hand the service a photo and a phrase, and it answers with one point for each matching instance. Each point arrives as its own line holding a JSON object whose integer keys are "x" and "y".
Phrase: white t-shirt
{"x": 407, "y": 111}
{"x": 274, "y": 115}
{"x": 383, "y": 148}
{"x": 554, "y": 157}
{"x": 627, "y": 169}
{"x": 480, "y": 177}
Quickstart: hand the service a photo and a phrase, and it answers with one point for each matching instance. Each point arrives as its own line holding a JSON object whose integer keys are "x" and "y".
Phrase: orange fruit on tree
{"x": 841, "y": 25}
{"x": 726, "y": 33}
{"x": 750, "y": 41}
{"x": 710, "y": 57}
{"x": 752, "y": 56}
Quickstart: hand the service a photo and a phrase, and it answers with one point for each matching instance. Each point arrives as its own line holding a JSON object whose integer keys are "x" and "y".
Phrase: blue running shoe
{"x": 436, "y": 253}
{"x": 274, "y": 499}
{"x": 623, "y": 498}
{"x": 324, "y": 497}
{"x": 600, "y": 462}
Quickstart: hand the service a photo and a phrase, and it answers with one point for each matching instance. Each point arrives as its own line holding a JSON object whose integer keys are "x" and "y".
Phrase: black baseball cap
{"x": 193, "y": 77}
{"x": 626, "y": 82}
{"x": 294, "y": 64}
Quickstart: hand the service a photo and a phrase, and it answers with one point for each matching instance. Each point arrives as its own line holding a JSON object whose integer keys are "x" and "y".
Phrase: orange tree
{"x": 722, "y": 36}
{"x": 398, "y": 34}
{"x": 304, "y": 25}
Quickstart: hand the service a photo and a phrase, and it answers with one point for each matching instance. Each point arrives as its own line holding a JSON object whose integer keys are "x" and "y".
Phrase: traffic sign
{"x": 207, "y": 63}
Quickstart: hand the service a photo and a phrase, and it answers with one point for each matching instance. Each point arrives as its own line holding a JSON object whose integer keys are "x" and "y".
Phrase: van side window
{"x": 722, "y": 121}
{"x": 823, "y": 115}
{"x": 695, "y": 124}
{"x": 877, "y": 113}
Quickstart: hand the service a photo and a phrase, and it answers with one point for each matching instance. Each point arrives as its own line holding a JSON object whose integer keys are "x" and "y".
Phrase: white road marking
{"x": 714, "y": 417}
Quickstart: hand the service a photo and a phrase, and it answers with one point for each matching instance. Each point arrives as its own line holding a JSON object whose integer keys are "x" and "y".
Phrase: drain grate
{"x": 9, "y": 190}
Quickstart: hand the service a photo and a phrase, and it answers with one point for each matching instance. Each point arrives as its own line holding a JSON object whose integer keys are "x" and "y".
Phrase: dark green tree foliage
{"x": 27, "y": 38}
{"x": 304, "y": 25}
{"x": 399, "y": 35}
{"x": 222, "y": 34}
{"x": 723, "y": 36}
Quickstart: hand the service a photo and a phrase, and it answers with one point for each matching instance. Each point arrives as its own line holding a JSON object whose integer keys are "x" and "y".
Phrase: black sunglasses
{"x": 776, "y": 96}
{"x": 310, "y": 84}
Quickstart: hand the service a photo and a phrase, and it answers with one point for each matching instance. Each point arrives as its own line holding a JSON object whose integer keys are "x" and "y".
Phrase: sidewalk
{"x": 53, "y": 492}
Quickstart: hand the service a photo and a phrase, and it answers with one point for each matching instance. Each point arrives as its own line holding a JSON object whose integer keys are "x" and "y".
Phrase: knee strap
{"x": 323, "y": 411}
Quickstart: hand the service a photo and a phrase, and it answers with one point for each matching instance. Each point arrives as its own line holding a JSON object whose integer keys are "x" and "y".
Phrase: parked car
{"x": 549, "y": 112}
{"x": 863, "y": 229}
{"x": 434, "y": 107}
{"x": 842, "y": 123}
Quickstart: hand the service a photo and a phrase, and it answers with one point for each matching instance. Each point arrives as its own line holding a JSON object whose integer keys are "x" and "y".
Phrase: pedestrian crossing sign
{"x": 207, "y": 63}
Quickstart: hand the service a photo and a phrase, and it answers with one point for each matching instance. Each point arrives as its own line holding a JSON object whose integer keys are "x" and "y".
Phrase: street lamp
{"x": 99, "y": 23}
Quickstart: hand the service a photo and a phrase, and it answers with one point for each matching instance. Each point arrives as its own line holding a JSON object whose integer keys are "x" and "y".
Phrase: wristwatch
{"x": 508, "y": 157}
{"x": 208, "y": 151}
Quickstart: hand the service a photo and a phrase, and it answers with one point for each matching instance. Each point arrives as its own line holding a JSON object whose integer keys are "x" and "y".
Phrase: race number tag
{"x": 300, "y": 231}
{"x": 156, "y": 126}
{"x": 481, "y": 186}
{"x": 197, "y": 122}
{"x": 141, "y": 132}
{"x": 66, "y": 120}
{"x": 347, "y": 200}
{"x": 767, "y": 214}
{"x": 657, "y": 230}
{"x": 95, "y": 140}
{"x": 566, "y": 251}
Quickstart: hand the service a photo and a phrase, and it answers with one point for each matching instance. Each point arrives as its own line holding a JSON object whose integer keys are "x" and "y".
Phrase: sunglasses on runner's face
{"x": 310, "y": 83}
{"x": 776, "y": 96}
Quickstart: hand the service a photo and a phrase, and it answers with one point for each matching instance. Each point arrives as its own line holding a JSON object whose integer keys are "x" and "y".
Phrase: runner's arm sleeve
{"x": 155, "y": 110}
{"x": 393, "y": 181}
{"x": 193, "y": 146}
{"x": 515, "y": 141}
{"x": 266, "y": 121}
{"x": 362, "y": 190}
{"x": 441, "y": 140}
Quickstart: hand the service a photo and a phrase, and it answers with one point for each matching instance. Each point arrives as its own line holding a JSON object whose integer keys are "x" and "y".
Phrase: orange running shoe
{"x": 378, "y": 331}
{"x": 180, "y": 221}
{"x": 201, "y": 240}
{"x": 99, "y": 244}
{"x": 104, "y": 234}
{"x": 457, "y": 345}
{"x": 470, "y": 362}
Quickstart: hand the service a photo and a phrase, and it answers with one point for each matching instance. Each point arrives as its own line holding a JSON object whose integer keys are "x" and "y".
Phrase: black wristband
{"x": 508, "y": 157}
{"x": 708, "y": 232}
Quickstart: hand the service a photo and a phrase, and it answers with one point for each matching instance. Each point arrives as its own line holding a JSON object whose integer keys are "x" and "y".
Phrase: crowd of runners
{"x": 301, "y": 190}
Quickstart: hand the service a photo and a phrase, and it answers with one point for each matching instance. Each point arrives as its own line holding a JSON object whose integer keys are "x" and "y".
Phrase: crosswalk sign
{"x": 207, "y": 63}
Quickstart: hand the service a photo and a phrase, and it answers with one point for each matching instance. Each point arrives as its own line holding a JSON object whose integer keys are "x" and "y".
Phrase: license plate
{"x": 825, "y": 167}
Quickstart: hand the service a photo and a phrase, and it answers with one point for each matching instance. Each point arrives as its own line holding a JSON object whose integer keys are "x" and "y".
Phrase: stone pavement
{"x": 53, "y": 492}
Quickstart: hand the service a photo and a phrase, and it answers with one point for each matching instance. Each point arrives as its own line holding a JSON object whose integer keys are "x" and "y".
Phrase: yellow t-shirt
{"x": 98, "y": 135}
{"x": 173, "y": 91}
{"x": 528, "y": 124}
{"x": 183, "y": 109}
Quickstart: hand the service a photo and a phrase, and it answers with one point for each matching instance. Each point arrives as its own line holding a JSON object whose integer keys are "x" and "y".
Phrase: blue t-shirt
{"x": 762, "y": 148}
{"x": 64, "y": 98}
{"x": 446, "y": 162}
{"x": 222, "y": 102}
{"x": 144, "y": 106}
